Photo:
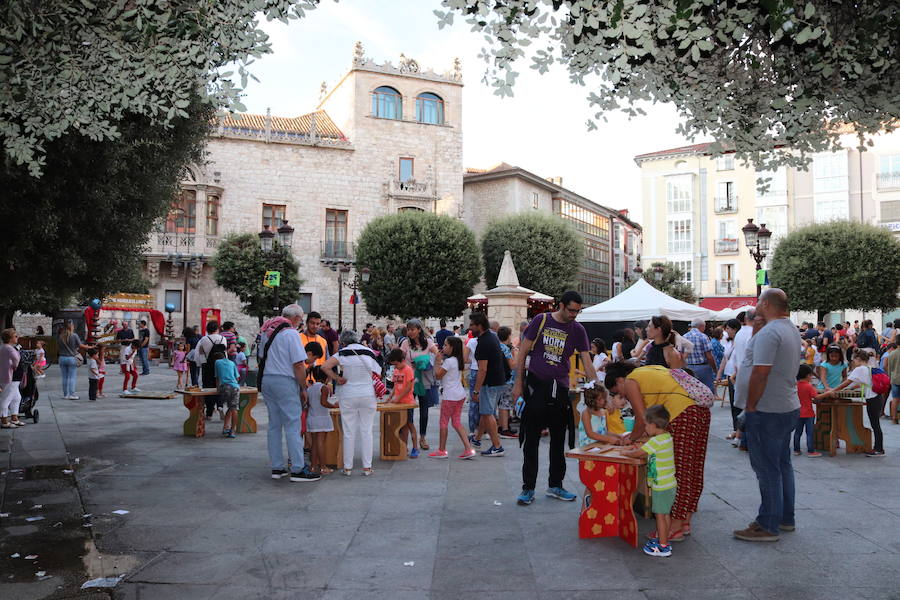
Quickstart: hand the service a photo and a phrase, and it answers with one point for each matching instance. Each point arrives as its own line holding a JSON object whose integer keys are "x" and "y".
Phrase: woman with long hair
{"x": 416, "y": 346}
{"x": 601, "y": 358}
{"x": 860, "y": 377}
{"x": 70, "y": 347}
{"x": 662, "y": 352}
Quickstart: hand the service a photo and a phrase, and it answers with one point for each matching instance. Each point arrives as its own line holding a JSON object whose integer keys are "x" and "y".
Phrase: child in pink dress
{"x": 179, "y": 363}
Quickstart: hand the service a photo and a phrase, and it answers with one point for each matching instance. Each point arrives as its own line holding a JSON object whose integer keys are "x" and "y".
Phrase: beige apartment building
{"x": 694, "y": 206}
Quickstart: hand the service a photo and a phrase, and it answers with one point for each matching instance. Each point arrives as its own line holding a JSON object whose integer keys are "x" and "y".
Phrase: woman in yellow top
{"x": 689, "y": 426}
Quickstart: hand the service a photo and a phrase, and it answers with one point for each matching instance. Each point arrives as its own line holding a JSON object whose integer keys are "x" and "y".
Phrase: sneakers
{"x": 797, "y": 453}
{"x": 279, "y": 473}
{"x": 525, "y": 498}
{"x": 784, "y": 527}
{"x": 73, "y": 397}
{"x": 561, "y": 494}
{"x": 875, "y": 453}
{"x": 414, "y": 453}
{"x": 305, "y": 475}
{"x": 813, "y": 454}
{"x": 755, "y": 533}
{"x": 228, "y": 434}
{"x": 473, "y": 441}
{"x": 509, "y": 434}
{"x": 654, "y": 548}
{"x": 492, "y": 451}
{"x": 439, "y": 454}
{"x": 135, "y": 389}
{"x": 467, "y": 455}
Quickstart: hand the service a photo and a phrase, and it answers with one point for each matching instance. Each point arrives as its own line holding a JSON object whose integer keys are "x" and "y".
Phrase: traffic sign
{"x": 272, "y": 279}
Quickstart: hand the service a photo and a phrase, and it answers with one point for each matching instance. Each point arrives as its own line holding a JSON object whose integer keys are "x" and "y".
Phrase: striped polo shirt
{"x": 660, "y": 462}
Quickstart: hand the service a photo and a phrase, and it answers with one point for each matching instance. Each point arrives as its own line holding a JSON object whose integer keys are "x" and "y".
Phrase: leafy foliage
{"x": 79, "y": 230}
{"x": 741, "y": 71}
{"x": 671, "y": 282}
{"x": 546, "y": 251}
{"x": 836, "y": 266}
{"x": 422, "y": 265}
{"x": 82, "y": 66}
{"x": 240, "y": 266}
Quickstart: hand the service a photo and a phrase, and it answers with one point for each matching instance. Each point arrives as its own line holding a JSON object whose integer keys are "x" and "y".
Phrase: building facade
{"x": 694, "y": 206}
{"x": 505, "y": 189}
{"x": 627, "y": 249}
{"x": 384, "y": 139}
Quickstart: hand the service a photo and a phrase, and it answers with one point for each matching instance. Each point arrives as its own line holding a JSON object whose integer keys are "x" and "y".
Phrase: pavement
{"x": 205, "y": 520}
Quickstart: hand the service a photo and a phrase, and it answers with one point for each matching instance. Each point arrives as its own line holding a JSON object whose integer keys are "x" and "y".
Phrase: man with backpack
{"x": 211, "y": 343}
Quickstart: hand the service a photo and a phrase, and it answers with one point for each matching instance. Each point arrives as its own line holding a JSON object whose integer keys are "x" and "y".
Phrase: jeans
{"x": 770, "y": 457}
{"x": 805, "y": 423}
{"x": 705, "y": 374}
{"x": 874, "y": 407}
{"x": 735, "y": 411}
{"x": 92, "y": 388}
{"x": 68, "y": 366}
{"x": 543, "y": 409}
{"x": 282, "y": 395}
{"x": 357, "y": 414}
{"x": 144, "y": 354}
{"x": 195, "y": 372}
{"x": 474, "y": 416}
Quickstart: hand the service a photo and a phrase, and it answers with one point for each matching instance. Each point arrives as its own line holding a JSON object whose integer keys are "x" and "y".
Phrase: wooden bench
{"x": 195, "y": 425}
{"x": 611, "y": 484}
{"x": 841, "y": 419}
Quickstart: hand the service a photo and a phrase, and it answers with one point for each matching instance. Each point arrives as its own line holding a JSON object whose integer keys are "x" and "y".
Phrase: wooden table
{"x": 611, "y": 482}
{"x": 841, "y": 419}
{"x": 195, "y": 425}
{"x": 393, "y": 417}
{"x": 334, "y": 441}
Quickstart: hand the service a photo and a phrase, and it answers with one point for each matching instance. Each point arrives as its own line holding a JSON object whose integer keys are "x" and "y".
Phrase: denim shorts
{"x": 895, "y": 390}
{"x": 487, "y": 399}
{"x": 662, "y": 501}
{"x": 505, "y": 401}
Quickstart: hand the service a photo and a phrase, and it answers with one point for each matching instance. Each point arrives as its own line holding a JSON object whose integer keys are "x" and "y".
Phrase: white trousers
{"x": 9, "y": 399}
{"x": 357, "y": 415}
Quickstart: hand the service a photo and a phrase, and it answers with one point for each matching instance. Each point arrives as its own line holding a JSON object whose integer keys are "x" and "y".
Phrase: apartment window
{"x": 272, "y": 216}
{"x": 890, "y": 211}
{"x": 535, "y": 201}
{"x": 830, "y": 172}
{"x": 406, "y": 169}
{"x": 889, "y": 172}
{"x": 429, "y": 109}
{"x": 679, "y": 238}
{"x": 777, "y": 182}
{"x": 617, "y": 236}
{"x": 726, "y": 198}
{"x": 335, "y": 233}
{"x": 727, "y": 230}
{"x": 212, "y": 215}
{"x": 173, "y": 297}
{"x": 687, "y": 269}
{"x": 584, "y": 220}
{"x": 775, "y": 219}
{"x": 727, "y": 272}
{"x": 183, "y": 213}
{"x": 387, "y": 103}
{"x": 725, "y": 162}
{"x": 305, "y": 302}
{"x": 678, "y": 194}
{"x": 618, "y": 265}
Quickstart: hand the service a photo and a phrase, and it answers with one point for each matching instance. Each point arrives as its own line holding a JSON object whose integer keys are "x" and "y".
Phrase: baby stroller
{"x": 28, "y": 387}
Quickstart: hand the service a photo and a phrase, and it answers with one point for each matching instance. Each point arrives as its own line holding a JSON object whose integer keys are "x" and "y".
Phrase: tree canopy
{"x": 82, "y": 66}
{"x": 422, "y": 265}
{"x": 743, "y": 72}
{"x": 838, "y": 266}
{"x": 240, "y": 266}
{"x": 671, "y": 282}
{"x": 79, "y": 230}
{"x": 546, "y": 251}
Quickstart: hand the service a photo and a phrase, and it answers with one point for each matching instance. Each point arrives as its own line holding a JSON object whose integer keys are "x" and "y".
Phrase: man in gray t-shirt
{"x": 767, "y": 391}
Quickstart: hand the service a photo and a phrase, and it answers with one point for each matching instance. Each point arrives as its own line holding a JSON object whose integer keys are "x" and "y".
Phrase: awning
{"x": 722, "y": 302}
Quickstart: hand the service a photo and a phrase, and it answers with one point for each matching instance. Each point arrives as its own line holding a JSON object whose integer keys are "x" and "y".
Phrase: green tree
{"x": 671, "y": 282}
{"x": 546, "y": 251}
{"x": 79, "y": 230}
{"x": 422, "y": 265}
{"x": 83, "y": 66}
{"x": 741, "y": 72}
{"x": 837, "y": 266}
{"x": 240, "y": 266}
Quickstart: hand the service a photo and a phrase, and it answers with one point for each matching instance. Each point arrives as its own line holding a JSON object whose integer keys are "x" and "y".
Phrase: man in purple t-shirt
{"x": 549, "y": 341}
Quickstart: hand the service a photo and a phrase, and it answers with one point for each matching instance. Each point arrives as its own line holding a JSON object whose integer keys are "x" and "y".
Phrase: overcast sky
{"x": 541, "y": 129}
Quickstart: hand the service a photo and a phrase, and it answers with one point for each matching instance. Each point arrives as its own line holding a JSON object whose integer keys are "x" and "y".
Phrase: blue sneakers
{"x": 492, "y": 451}
{"x": 473, "y": 441}
{"x": 525, "y": 498}
{"x": 653, "y": 548}
{"x": 414, "y": 453}
{"x": 561, "y": 494}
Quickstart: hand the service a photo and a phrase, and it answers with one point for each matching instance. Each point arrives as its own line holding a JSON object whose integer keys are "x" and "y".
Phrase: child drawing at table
{"x": 179, "y": 364}
{"x": 660, "y": 453}
{"x": 807, "y": 395}
{"x": 402, "y": 393}
{"x": 833, "y": 371}
{"x": 318, "y": 421}
{"x": 592, "y": 426}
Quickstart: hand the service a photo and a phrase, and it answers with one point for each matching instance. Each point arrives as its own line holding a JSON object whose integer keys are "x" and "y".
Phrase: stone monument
{"x": 508, "y": 302}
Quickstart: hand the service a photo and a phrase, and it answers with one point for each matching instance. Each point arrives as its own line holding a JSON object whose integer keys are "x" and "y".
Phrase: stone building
{"x": 385, "y": 138}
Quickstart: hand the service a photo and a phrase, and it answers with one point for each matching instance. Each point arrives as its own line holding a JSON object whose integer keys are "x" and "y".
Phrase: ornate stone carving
{"x": 323, "y": 91}
{"x": 359, "y": 55}
{"x": 173, "y": 270}
{"x": 153, "y": 271}
{"x": 408, "y": 65}
{"x": 196, "y": 272}
{"x": 456, "y": 73}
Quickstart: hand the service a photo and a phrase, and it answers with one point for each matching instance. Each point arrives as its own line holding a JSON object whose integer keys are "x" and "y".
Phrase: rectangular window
{"x": 584, "y": 220}
{"x": 830, "y": 172}
{"x": 272, "y": 215}
{"x": 726, "y": 198}
{"x": 678, "y": 194}
{"x": 212, "y": 215}
{"x": 687, "y": 269}
{"x": 727, "y": 272}
{"x": 305, "y": 302}
{"x": 777, "y": 182}
{"x": 183, "y": 213}
{"x": 889, "y": 172}
{"x": 680, "y": 239}
{"x": 535, "y": 201}
{"x": 406, "y": 169}
{"x": 174, "y": 297}
{"x": 336, "y": 233}
{"x": 725, "y": 162}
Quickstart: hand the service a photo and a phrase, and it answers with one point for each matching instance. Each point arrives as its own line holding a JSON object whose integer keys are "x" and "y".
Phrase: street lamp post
{"x": 271, "y": 251}
{"x": 361, "y": 276}
{"x": 757, "y": 238}
{"x": 658, "y": 271}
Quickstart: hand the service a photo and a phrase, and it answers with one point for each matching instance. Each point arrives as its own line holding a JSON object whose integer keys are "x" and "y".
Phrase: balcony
{"x": 727, "y": 246}
{"x": 888, "y": 181}
{"x": 726, "y": 204}
{"x": 164, "y": 243}
{"x": 410, "y": 189}
{"x": 727, "y": 287}
{"x": 336, "y": 252}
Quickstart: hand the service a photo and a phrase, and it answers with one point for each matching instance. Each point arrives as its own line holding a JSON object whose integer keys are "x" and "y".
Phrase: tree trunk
{"x": 6, "y": 317}
{"x": 820, "y": 315}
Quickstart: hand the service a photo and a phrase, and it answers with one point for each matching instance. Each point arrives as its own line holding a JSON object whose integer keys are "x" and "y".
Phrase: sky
{"x": 542, "y": 128}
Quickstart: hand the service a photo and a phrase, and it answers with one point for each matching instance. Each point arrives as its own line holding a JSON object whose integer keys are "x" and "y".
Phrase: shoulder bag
{"x": 262, "y": 361}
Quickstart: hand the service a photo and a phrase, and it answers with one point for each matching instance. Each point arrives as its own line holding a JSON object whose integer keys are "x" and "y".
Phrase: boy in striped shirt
{"x": 660, "y": 454}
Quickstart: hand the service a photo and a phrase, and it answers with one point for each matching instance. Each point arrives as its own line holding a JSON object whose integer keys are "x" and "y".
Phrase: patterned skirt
{"x": 690, "y": 434}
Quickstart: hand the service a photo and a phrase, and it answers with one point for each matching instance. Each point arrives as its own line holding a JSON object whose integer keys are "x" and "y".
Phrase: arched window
{"x": 387, "y": 103}
{"x": 429, "y": 109}
{"x": 410, "y": 209}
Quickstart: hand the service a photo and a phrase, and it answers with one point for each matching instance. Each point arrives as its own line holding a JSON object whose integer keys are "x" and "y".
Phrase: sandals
{"x": 346, "y": 472}
{"x": 674, "y": 536}
{"x": 423, "y": 444}
{"x": 325, "y": 471}
{"x": 369, "y": 471}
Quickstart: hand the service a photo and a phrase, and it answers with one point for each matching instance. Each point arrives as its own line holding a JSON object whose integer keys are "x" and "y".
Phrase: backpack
{"x": 696, "y": 389}
{"x": 881, "y": 383}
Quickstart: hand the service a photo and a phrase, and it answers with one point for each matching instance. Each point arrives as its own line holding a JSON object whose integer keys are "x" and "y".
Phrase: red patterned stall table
{"x": 610, "y": 484}
{"x": 195, "y": 425}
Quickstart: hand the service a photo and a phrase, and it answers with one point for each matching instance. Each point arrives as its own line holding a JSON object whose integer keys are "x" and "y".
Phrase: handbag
{"x": 380, "y": 389}
{"x": 695, "y": 388}
{"x": 79, "y": 359}
{"x": 191, "y": 356}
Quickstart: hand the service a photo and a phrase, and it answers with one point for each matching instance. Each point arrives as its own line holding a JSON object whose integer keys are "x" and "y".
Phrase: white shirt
{"x": 741, "y": 339}
{"x": 617, "y": 352}
{"x": 285, "y": 351}
{"x": 862, "y": 376}
{"x": 205, "y": 345}
{"x": 357, "y": 370}
{"x": 471, "y": 344}
{"x": 452, "y": 384}
{"x": 125, "y": 355}
{"x": 729, "y": 365}
{"x": 600, "y": 362}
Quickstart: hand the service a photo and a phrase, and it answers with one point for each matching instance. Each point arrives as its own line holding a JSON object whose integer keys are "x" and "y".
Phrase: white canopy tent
{"x": 642, "y": 301}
